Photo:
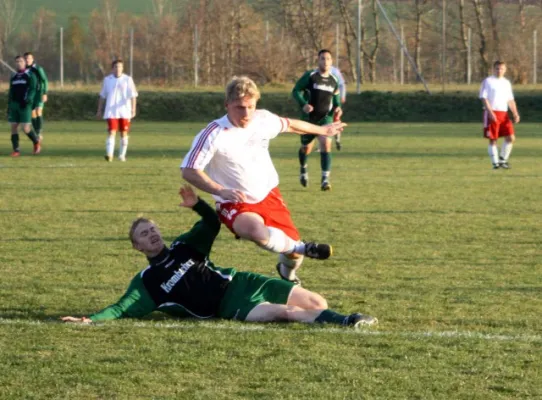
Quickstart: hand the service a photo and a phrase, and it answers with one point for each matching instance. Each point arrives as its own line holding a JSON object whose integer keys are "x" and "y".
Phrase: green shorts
{"x": 307, "y": 139}
{"x": 38, "y": 104}
{"x": 19, "y": 115}
{"x": 247, "y": 290}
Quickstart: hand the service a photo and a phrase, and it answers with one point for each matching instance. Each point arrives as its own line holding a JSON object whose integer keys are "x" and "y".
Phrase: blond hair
{"x": 135, "y": 224}
{"x": 240, "y": 87}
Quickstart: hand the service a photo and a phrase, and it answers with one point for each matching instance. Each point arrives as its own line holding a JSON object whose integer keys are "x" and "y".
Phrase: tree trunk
{"x": 484, "y": 59}
{"x": 464, "y": 38}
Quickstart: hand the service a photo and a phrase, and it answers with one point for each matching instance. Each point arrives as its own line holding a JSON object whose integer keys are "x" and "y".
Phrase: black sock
{"x": 15, "y": 141}
{"x": 302, "y": 161}
{"x": 39, "y": 124}
{"x": 331, "y": 317}
{"x": 32, "y": 136}
{"x": 35, "y": 124}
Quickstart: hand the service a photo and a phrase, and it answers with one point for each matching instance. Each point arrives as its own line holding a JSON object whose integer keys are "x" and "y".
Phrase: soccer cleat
{"x": 304, "y": 180}
{"x": 496, "y": 166}
{"x": 15, "y": 154}
{"x": 325, "y": 186}
{"x": 338, "y": 145}
{"x": 108, "y": 158}
{"x": 358, "y": 320}
{"x": 503, "y": 163}
{"x": 296, "y": 281}
{"x": 320, "y": 251}
{"x": 37, "y": 148}
{"x": 122, "y": 158}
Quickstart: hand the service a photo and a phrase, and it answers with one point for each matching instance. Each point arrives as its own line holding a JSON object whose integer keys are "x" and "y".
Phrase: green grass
{"x": 443, "y": 250}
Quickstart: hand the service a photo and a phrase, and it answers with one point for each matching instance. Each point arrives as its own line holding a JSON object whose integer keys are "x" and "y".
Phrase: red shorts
{"x": 118, "y": 124}
{"x": 272, "y": 209}
{"x": 501, "y": 127}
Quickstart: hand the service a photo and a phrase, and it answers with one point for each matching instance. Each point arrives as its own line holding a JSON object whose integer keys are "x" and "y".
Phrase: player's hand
{"x": 82, "y": 320}
{"x": 233, "y": 195}
{"x": 343, "y": 100}
{"x": 516, "y": 118}
{"x": 189, "y": 196}
{"x": 492, "y": 116}
{"x": 133, "y": 114}
{"x": 307, "y": 108}
{"x": 337, "y": 114}
{"x": 44, "y": 98}
{"x": 334, "y": 128}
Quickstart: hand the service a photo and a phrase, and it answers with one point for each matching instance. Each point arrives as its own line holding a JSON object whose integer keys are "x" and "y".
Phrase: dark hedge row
{"x": 368, "y": 106}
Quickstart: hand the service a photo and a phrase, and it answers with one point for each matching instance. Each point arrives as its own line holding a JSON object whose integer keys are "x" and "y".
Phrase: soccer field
{"x": 446, "y": 252}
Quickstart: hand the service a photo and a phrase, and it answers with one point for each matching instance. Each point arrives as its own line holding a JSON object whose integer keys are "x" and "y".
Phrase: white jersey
{"x": 118, "y": 94}
{"x": 498, "y": 91}
{"x": 238, "y": 158}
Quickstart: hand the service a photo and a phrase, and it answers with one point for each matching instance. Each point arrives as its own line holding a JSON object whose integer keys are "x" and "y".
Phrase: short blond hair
{"x": 136, "y": 223}
{"x": 240, "y": 87}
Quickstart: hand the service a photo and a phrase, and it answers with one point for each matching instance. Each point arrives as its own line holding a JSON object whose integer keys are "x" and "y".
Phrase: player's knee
{"x": 317, "y": 302}
{"x": 288, "y": 313}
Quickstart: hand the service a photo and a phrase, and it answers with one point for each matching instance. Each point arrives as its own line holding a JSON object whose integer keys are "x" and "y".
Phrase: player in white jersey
{"x": 120, "y": 97}
{"x": 230, "y": 159}
{"x": 496, "y": 95}
{"x": 342, "y": 92}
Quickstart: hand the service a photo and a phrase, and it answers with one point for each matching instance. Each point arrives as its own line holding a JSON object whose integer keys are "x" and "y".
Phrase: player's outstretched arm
{"x": 303, "y": 128}
{"x": 513, "y": 107}
{"x": 204, "y": 232}
{"x": 135, "y": 303}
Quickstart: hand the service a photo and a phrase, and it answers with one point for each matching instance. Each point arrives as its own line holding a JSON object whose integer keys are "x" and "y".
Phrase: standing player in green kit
{"x": 41, "y": 93}
{"x": 317, "y": 93}
{"x": 22, "y": 89}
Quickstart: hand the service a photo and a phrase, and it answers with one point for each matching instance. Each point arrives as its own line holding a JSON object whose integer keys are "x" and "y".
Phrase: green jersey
{"x": 321, "y": 92}
{"x": 43, "y": 83}
{"x": 22, "y": 88}
{"x": 181, "y": 280}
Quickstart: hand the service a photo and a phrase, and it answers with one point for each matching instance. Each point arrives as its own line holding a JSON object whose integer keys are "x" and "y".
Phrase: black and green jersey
{"x": 22, "y": 88}
{"x": 181, "y": 280}
{"x": 43, "y": 83}
{"x": 321, "y": 92}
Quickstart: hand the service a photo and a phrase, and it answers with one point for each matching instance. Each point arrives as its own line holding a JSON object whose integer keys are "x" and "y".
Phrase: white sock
{"x": 506, "y": 149}
{"x": 288, "y": 266}
{"x": 493, "y": 153}
{"x": 110, "y": 145}
{"x": 325, "y": 174}
{"x": 279, "y": 242}
{"x": 338, "y": 137}
{"x": 123, "y": 146}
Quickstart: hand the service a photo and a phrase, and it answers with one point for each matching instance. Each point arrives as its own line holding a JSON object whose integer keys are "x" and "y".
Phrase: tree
{"x": 75, "y": 43}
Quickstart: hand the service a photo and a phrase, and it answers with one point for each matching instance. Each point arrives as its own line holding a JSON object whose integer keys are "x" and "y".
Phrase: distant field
{"x": 443, "y": 250}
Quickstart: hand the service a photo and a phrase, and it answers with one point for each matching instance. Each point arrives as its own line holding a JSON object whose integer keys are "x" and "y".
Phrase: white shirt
{"x": 238, "y": 158}
{"x": 498, "y": 91}
{"x": 118, "y": 93}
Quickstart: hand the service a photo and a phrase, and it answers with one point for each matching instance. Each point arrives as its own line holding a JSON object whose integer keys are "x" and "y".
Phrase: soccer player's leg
{"x": 307, "y": 142}
{"x": 325, "y": 162}
{"x": 26, "y": 123}
{"x": 112, "y": 127}
{"x": 491, "y": 132}
{"x": 14, "y": 136}
{"x": 124, "y": 126}
{"x": 37, "y": 118}
{"x": 507, "y": 131}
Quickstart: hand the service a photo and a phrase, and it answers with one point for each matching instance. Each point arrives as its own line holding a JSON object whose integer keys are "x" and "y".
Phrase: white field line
{"x": 240, "y": 327}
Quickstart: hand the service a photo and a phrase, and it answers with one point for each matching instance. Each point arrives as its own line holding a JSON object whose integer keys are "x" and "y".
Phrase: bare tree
{"x": 421, "y": 9}
{"x": 9, "y": 21}
{"x": 494, "y": 28}
{"x": 484, "y": 58}
{"x": 464, "y": 37}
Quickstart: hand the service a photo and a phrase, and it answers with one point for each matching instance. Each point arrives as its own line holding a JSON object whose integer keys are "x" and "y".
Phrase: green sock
{"x": 35, "y": 124}
{"x": 32, "y": 136}
{"x": 331, "y": 317}
{"x": 302, "y": 161}
{"x": 39, "y": 124}
{"x": 15, "y": 141}
{"x": 325, "y": 162}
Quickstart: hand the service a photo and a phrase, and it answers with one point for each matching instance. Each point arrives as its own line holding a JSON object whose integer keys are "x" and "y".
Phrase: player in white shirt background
{"x": 230, "y": 159}
{"x": 342, "y": 90}
{"x": 496, "y": 95}
{"x": 120, "y": 97}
